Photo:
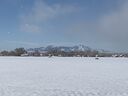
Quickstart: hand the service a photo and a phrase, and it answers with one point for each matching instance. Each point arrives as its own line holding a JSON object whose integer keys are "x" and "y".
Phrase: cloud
{"x": 115, "y": 23}
{"x": 109, "y": 31}
{"x": 113, "y": 27}
{"x": 40, "y": 13}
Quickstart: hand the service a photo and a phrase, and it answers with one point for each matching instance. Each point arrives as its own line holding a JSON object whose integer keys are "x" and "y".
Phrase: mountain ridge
{"x": 79, "y": 47}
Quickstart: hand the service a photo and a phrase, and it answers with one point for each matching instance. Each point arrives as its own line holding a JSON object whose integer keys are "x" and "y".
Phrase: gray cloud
{"x": 41, "y": 12}
{"x": 115, "y": 24}
{"x": 110, "y": 31}
{"x": 114, "y": 27}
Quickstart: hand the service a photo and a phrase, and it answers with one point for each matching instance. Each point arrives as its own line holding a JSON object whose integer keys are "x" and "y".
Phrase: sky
{"x": 99, "y": 24}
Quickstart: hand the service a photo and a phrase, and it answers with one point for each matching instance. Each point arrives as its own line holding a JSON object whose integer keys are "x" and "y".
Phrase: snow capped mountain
{"x": 61, "y": 48}
{"x": 81, "y": 48}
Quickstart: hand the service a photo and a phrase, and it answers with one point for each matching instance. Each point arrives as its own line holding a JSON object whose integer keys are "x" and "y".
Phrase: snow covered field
{"x": 58, "y": 76}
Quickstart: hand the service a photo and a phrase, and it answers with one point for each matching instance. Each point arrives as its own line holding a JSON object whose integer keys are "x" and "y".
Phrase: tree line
{"x": 16, "y": 52}
{"x": 55, "y": 52}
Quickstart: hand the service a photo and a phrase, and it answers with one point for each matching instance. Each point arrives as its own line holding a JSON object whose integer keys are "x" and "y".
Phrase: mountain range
{"x": 63, "y": 48}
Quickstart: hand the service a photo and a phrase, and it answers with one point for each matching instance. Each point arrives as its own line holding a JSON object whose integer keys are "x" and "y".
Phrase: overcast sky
{"x": 100, "y": 24}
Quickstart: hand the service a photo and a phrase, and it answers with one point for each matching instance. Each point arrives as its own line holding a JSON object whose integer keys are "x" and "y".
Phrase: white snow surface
{"x": 63, "y": 76}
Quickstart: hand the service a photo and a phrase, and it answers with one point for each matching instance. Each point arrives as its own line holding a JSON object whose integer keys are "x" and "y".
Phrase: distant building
{"x": 24, "y": 55}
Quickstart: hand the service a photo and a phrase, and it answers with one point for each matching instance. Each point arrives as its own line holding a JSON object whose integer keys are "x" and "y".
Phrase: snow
{"x": 63, "y": 76}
